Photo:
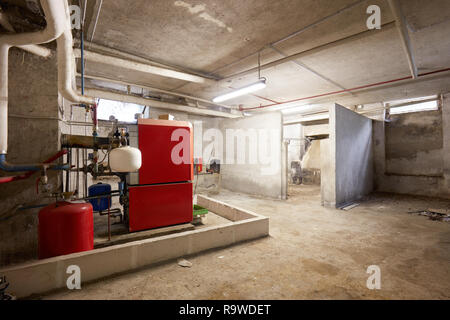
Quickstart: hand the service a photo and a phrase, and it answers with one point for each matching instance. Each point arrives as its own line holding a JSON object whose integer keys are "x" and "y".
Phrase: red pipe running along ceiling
{"x": 347, "y": 90}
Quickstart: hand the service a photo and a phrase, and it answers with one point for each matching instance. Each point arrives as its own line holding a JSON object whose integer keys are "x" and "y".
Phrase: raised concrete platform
{"x": 50, "y": 274}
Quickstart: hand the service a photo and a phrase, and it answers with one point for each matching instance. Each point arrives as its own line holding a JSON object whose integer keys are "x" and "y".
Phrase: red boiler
{"x": 65, "y": 228}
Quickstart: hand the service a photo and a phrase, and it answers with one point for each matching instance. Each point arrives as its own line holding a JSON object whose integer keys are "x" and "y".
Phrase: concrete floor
{"x": 312, "y": 253}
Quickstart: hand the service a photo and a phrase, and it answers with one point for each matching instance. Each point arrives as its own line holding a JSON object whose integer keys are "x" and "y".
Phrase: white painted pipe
{"x": 157, "y": 104}
{"x": 124, "y": 55}
{"x": 4, "y": 49}
{"x": 37, "y": 50}
{"x": 169, "y": 92}
{"x": 66, "y": 61}
{"x": 32, "y": 48}
{"x": 140, "y": 67}
{"x": 54, "y": 13}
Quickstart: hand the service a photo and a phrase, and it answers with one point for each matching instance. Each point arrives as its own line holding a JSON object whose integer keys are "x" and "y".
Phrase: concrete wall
{"x": 33, "y": 137}
{"x": 445, "y": 185}
{"x": 354, "y": 156}
{"x": 259, "y": 178}
{"x": 413, "y": 144}
{"x": 420, "y": 164}
{"x": 348, "y": 174}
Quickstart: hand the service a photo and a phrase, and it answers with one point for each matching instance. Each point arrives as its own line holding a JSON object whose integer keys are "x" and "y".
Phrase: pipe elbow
{"x": 71, "y": 95}
{"x": 65, "y": 65}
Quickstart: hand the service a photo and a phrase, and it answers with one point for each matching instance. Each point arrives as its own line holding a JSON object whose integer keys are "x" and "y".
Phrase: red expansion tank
{"x": 65, "y": 228}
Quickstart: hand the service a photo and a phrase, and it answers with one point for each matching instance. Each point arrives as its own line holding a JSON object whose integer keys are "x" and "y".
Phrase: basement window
{"x": 418, "y": 107}
{"x": 122, "y": 111}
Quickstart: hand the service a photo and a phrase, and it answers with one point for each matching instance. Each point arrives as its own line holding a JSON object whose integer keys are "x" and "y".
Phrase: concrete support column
{"x": 379, "y": 153}
{"x": 284, "y": 169}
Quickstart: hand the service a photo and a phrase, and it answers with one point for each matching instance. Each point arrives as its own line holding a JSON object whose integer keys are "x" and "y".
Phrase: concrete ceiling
{"x": 219, "y": 37}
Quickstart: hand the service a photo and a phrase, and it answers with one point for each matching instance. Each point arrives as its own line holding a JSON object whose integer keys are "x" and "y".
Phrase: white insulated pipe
{"x": 157, "y": 104}
{"x": 31, "y": 48}
{"x": 169, "y": 92}
{"x": 141, "y": 67}
{"x": 37, "y": 50}
{"x": 54, "y": 13}
{"x": 4, "y": 49}
{"x": 66, "y": 62}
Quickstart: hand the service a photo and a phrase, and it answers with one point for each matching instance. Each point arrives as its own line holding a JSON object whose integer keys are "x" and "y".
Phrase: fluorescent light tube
{"x": 295, "y": 109}
{"x": 261, "y": 84}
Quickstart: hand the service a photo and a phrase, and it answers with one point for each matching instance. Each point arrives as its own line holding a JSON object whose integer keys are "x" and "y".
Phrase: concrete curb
{"x": 42, "y": 276}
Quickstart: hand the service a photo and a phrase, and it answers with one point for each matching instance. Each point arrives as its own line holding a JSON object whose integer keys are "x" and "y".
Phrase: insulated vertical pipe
{"x": 54, "y": 13}
{"x": 4, "y": 98}
{"x": 65, "y": 73}
{"x": 66, "y": 62}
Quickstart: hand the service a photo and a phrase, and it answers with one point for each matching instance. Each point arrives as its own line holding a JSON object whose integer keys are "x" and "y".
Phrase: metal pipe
{"x": 157, "y": 104}
{"x": 78, "y": 171}
{"x": 170, "y": 92}
{"x": 304, "y": 66}
{"x": 96, "y": 19}
{"x": 85, "y": 142}
{"x": 5, "y": 166}
{"x": 294, "y": 34}
{"x": 82, "y": 62}
{"x": 363, "y": 34}
{"x": 23, "y": 176}
{"x": 85, "y": 173}
{"x": 76, "y": 199}
{"x": 68, "y": 173}
{"x": 377, "y": 84}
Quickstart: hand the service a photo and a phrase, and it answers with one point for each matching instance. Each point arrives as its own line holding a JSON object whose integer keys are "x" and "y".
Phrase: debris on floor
{"x": 350, "y": 206}
{"x": 434, "y": 214}
{"x": 184, "y": 263}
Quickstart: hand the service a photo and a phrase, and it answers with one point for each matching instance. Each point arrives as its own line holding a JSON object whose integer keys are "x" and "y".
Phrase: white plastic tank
{"x": 125, "y": 159}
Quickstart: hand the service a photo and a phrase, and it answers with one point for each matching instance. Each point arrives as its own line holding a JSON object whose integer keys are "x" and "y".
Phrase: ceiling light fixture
{"x": 259, "y": 85}
{"x": 299, "y": 109}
